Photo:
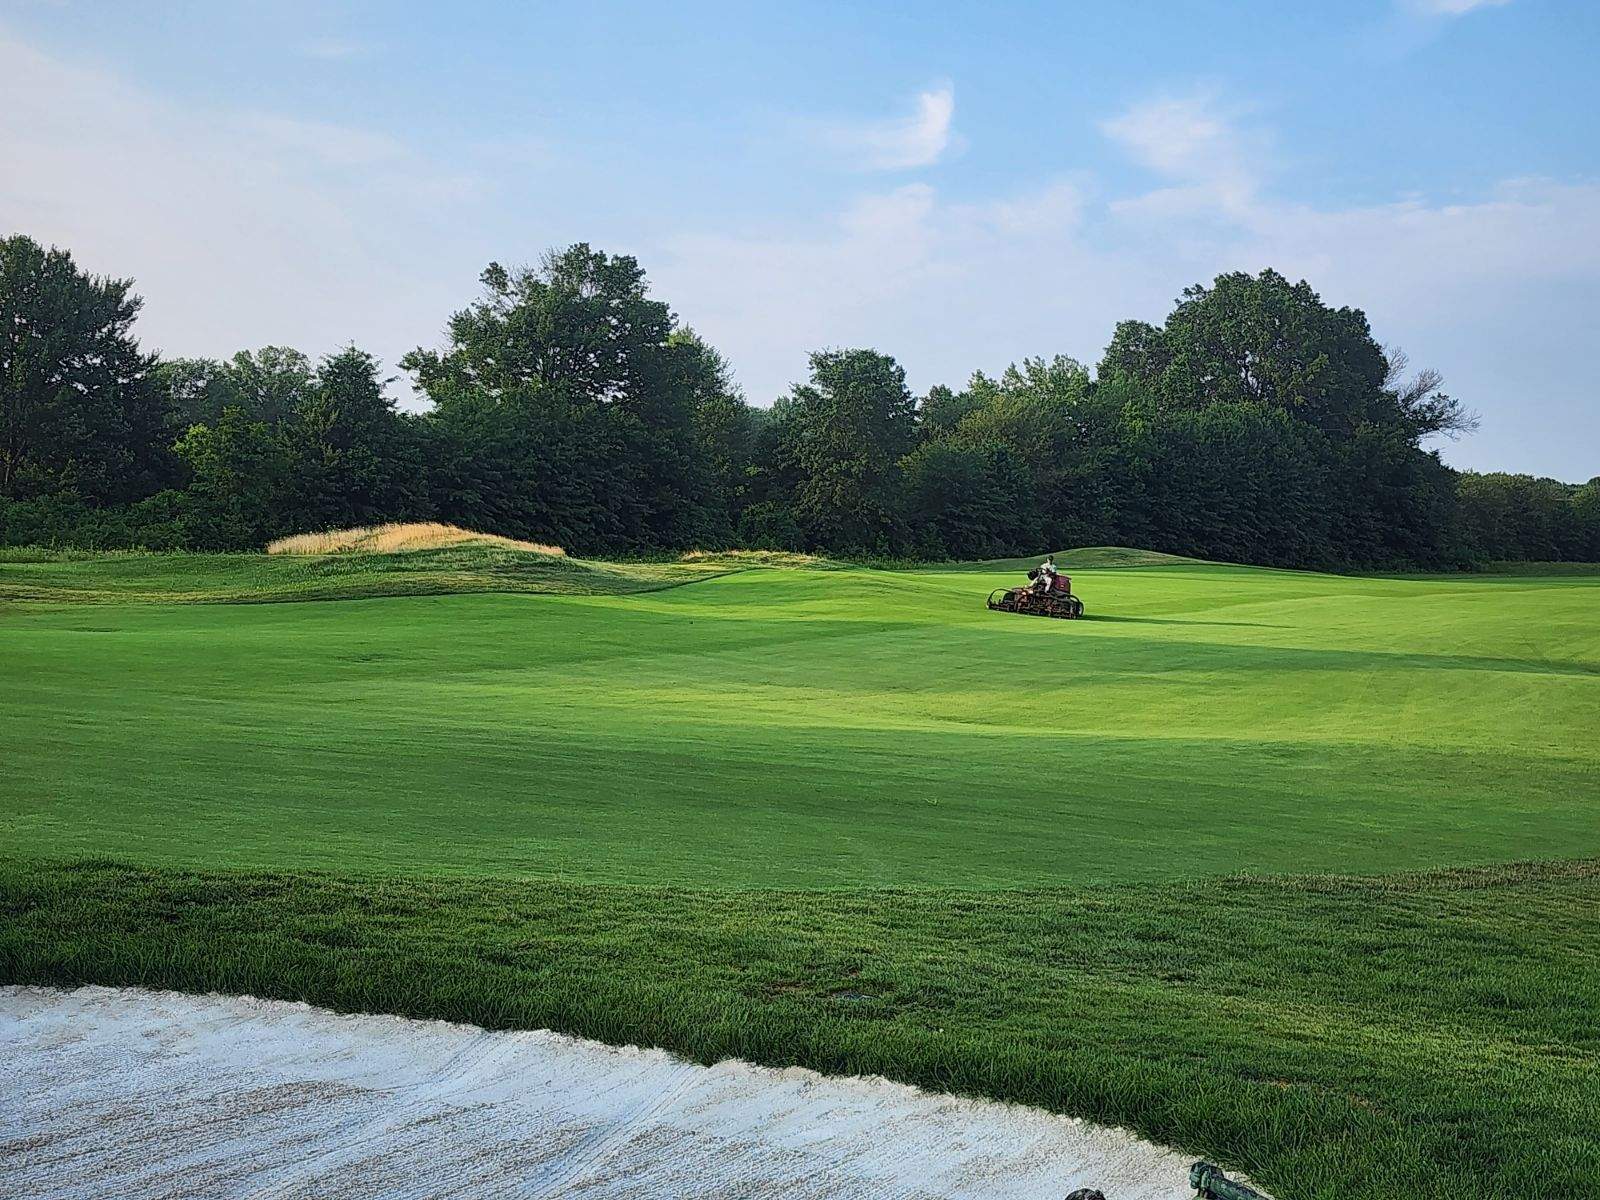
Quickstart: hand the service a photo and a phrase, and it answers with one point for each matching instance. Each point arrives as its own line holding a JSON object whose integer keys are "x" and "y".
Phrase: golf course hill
{"x": 1293, "y": 871}
{"x": 362, "y": 563}
{"x": 429, "y": 558}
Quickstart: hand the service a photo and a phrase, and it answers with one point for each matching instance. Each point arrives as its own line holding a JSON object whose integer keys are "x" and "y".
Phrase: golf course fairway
{"x": 1300, "y": 871}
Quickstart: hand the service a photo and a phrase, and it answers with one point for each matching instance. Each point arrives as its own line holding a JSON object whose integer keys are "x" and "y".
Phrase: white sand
{"x": 119, "y": 1093}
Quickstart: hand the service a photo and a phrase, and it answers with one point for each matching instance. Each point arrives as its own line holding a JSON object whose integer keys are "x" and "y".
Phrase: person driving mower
{"x": 1048, "y": 593}
{"x": 1044, "y": 579}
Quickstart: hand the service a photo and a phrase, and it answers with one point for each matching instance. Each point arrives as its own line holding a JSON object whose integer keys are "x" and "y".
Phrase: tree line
{"x": 1255, "y": 424}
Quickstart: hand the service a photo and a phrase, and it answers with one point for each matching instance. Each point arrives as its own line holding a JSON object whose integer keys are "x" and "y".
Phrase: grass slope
{"x": 74, "y": 577}
{"x": 852, "y": 819}
{"x": 817, "y": 729}
{"x": 1428, "y": 1037}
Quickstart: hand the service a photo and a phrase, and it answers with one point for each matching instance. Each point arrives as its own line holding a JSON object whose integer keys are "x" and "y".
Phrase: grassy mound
{"x": 346, "y": 575}
{"x": 357, "y": 564}
{"x": 399, "y": 539}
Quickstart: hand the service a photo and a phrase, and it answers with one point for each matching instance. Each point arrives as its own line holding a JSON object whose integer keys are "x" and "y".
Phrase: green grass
{"x": 812, "y": 729}
{"x": 1427, "y": 1037}
{"x": 850, "y": 818}
{"x": 53, "y": 575}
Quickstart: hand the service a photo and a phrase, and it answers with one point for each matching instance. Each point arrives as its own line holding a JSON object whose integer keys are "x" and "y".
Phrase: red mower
{"x": 1048, "y": 594}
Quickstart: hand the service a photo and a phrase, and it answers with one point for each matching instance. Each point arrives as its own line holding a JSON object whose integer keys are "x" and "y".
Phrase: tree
{"x": 845, "y": 432}
{"x": 724, "y": 433}
{"x": 78, "y": 408}
{"x": 1035, "y": 427}
{"x": 1520, "y": 517}
{"x": 567, "y": 410}
{"x": 350, "y": 461}
{"x": 197, "y": 390}
{"x": 271, "y": 383}
{"x": 1586, "y": 518}
{"x": 966, "y": 501}
{"x": 1258, "y": 339}
{"x": 1255, "y": 423}
{"x": 1425, "y": 411}
{"x": 239, "y": 483}
{"x": 1261, "y": 342}
{"x": 942, "y": 410}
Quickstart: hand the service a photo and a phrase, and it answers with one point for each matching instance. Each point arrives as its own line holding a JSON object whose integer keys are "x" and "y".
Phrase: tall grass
{"x": 398, "y": 539}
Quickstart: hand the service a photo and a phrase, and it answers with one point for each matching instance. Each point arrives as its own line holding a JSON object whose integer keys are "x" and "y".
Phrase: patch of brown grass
{"x": 397, "y": 539}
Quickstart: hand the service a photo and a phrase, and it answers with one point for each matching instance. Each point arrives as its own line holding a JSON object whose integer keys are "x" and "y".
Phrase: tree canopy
{"x": 567, "y": 404}
{"x": 79, "y": 411}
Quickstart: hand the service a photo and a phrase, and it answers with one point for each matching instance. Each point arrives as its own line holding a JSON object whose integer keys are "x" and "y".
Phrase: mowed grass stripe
{"x": 849, "y": 818}
{"x": 794, "y": 728}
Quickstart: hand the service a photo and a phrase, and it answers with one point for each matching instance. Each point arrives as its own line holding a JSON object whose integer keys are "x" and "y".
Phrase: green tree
{"x": 564, "y": 411}
{"x": 724, "y": 434}
{"x": 240, "y": 483}
{"x": 79, "y": 411}
{"x": 846, "y": 431}
{"x": 1039, "y": 423}
{"x": 1258, "y": 339}
{"x": 270, "y": 384}
{"x": 1502, "y": 517}
{"x": 1261, "y": 342}
{"x": 1586, "y": 518}
{"x": 967, "y": 501}
{"x": 196, "y": 391}
{"x": 350, "y": 459}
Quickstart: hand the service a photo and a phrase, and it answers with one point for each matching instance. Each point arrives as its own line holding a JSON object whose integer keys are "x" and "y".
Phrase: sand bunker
{"x": 396, "y": 539}
{"x": 117, "y": 1092}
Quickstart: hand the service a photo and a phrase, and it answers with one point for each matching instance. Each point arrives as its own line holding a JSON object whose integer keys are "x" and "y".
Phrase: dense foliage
{"x": 1257, "y": 424}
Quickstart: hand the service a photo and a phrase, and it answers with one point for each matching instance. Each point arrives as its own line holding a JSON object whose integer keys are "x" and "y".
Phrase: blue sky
{"x": 958, "y": 185}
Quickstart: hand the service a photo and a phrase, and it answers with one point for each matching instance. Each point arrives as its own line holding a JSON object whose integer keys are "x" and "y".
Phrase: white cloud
{"x": 1495, "y": 291}
{"x": 239, "y": 229}
{"x": 333, "y": 49}
{"x": 917, "y": 140}
{"x": 248, "y": 228}
{"x": 333, "y": 145}
{"x": 1193, "y": 142}
{"x": 1451, "y": 8}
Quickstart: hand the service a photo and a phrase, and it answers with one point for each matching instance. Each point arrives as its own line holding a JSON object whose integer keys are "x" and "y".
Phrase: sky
{"x": 959, "y": 185}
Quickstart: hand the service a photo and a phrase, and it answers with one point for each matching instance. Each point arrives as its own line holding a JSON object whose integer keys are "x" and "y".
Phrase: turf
{"x": 852, "y": 819}
{"x": 814, "y": 729}
{"x": 1428, "y": 1037}
{"x": 80, "y": 578}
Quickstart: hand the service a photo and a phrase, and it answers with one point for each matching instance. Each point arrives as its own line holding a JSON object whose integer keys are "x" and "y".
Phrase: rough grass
{"x": 75, "y": 578}
{"x": 745, "y": 559}
{"x": 398, "y": 539}
{"x": 850, "y": 818}
{"x": 346, "y": 565}
{"x": 1421, "y": 1036}
{"x": 1083, "y": 558}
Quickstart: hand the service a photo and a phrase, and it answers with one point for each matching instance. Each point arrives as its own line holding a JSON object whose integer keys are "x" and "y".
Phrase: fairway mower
{"x": 1047, "y": 595}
